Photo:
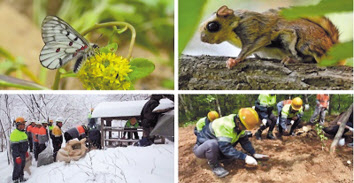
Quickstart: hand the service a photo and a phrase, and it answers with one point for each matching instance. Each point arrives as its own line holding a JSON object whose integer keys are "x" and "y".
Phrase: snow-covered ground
{"x": 122, "y": 164}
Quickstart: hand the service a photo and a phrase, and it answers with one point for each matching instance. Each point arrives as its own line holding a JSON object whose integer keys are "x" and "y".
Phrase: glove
{"x": 46, "y": 144}
{"x": 260, "y": 156}
{"x": 18, "y": 160}
{"x": 264, "y": 121}
{"x": 307, "y": 107}
{"x": 351, "y": 129}
{"x": 292, "y": 122}
{"x": 250, "y": 160}
{"x": 27, "y": 154}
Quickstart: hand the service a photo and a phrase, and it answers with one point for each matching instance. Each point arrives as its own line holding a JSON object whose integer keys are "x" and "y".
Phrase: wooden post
{"x": 102, "y": 135}
{"x": 339, "y": 134}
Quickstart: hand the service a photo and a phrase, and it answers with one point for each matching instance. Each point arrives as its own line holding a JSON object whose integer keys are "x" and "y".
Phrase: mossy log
{"x": 210, "y": 73}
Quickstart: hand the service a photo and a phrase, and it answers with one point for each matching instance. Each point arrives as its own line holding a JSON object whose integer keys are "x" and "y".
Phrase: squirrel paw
{"x": 232, "y": 62}
{"x": 288, "y": 60}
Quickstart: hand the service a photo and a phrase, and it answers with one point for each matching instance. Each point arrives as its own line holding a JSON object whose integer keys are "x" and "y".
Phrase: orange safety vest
{"x": 81, "y": 130}
{"x": 35, "y": 131}
{"x": 323, "y": 99}
{"x": 29, "y": 128}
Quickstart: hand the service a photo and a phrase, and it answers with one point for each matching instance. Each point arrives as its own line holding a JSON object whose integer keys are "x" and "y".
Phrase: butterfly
{"x": 63, "y": 44}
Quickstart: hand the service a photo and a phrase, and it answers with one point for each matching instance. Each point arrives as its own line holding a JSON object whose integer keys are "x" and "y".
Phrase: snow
{"x": 126, "y": 108}
{"x": 122, "y": 164}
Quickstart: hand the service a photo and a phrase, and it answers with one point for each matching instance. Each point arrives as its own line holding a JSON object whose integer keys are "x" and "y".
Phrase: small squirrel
{"x": 269, "y": 35}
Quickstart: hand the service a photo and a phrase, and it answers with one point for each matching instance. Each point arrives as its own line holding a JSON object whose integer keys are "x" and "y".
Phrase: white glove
{"x": 307, "y": 107}
{"x": 351, "y": 129}
{"x": 264, "y": 121}
{"x": 292, "y": 122}
{"x": 260, "y": 156}
{"x": 250, "y": 160}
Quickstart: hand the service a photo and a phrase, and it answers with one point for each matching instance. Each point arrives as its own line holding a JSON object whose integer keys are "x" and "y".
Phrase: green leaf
{"x": 6, "y": 54}
{"x": 141, "y": 68}
{"x": 322, "y": 8}
{"x": 337, "y": 53}
{"x": 110, "y": 48}
{"x": 189, "y": 15}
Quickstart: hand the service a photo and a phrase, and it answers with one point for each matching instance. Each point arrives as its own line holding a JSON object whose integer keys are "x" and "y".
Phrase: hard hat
{"x": 59, "y": 120}
{"x": 51, "y": 121}
{"x": 248, "y": 117}
{"x": 92, "y": 109}
{"x": 44, "y": 122}
{"x": 20, "y": 120}
{"x": 296, "y": 103}
{"x": 212, "y": 115}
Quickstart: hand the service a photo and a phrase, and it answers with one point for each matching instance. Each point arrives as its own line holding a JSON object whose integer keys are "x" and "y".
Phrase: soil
{"x": 293, "y": 159}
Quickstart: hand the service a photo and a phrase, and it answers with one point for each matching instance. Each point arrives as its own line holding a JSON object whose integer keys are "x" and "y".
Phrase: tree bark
{"x": 210, "y": 73}
{"x": 340, "y": 131}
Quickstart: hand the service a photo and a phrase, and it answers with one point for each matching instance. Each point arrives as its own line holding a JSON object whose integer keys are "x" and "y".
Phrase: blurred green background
{"x": 152, "y": 19}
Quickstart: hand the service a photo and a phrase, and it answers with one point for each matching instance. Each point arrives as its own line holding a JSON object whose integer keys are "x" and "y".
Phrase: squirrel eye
{"x": 213, "y": 26}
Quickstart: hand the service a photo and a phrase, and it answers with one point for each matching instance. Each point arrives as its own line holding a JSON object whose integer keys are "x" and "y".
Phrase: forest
{"x": 193, "y": 107}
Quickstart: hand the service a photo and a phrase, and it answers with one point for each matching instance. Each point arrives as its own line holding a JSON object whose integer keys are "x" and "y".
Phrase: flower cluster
{"x": 105, "y": 72}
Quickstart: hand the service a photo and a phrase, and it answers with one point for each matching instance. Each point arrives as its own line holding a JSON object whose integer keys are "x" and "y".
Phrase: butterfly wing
{"x": 62, "y": 44}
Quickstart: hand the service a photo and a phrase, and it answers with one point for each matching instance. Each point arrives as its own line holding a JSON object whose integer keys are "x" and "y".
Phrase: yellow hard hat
{"x": 20, "y": 120}
{"x": 212, "y": 115}
{"x": 249, "y": 118}
{"x": 296, "y": 103}
{"x": 51, "y": 121}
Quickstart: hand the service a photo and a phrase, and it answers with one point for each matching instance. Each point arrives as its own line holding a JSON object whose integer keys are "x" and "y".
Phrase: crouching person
{"x": 217, "y": 140}
{"x": 78, "y": 132}
{"x": 291, "y": 114}
{"x": 19, "y": 147}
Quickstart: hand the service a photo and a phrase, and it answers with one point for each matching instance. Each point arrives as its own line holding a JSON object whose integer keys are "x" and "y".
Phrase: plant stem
{"x": 110, "y": 24}
{"x": 56, "y": 81}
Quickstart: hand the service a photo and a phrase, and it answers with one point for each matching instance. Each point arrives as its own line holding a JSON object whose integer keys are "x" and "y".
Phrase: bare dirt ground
{"x": 294, "y": 159}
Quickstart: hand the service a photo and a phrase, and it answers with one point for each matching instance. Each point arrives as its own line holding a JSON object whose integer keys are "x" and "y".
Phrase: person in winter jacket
{"x": 218, "y": 139}
{"x": 57, "y": 137}
{"x": 29, "y": 135}
{"x": 149, "y": 119}
{"x": 334, "y": 127}
{"x": 43, "y": 136}
{"x": 19, "y": 147}
{"x": 78, "y": 132}
{"x": 35, "y": 131}
{"x": 291, "y": 114}
{"x": 264, "y": 106}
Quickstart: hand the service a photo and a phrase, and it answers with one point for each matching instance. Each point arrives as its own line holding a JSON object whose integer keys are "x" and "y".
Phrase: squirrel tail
{"x": 328, "y": 26}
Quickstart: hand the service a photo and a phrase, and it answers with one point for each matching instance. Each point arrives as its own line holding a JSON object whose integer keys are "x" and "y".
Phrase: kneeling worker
{"x": 217, "y": 140}
{"x": 212, "y": 115}
{"x": 291, "y": 114}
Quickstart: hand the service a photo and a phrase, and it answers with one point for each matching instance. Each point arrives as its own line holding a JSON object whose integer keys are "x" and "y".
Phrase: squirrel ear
{"x": 224, "y": 11}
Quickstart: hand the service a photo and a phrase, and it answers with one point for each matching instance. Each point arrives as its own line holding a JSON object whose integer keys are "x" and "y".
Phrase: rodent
{"x": 269, "y": 35}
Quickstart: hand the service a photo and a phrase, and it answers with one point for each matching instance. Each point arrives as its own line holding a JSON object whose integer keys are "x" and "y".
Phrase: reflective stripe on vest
{"x": 18, "y": 136}
{"x": 223, "y": 129}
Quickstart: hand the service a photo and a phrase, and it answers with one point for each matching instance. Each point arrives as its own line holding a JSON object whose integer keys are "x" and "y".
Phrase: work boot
{"x": 16, "y": 181}
{"x": 270, "y": 136}
{"x": 218, "y": 169}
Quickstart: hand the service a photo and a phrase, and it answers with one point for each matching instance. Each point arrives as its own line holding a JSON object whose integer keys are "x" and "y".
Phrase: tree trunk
{"x": 210, "y": 73}
{"x": 218, "y": 105}
{"x": 339, "y": 134}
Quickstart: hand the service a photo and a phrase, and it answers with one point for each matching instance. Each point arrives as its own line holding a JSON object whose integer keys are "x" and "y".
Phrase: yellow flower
{"x": 105, "y": 72}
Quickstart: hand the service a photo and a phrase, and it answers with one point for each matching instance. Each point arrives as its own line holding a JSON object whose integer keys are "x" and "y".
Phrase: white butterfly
{"x": 63, "y": 44}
